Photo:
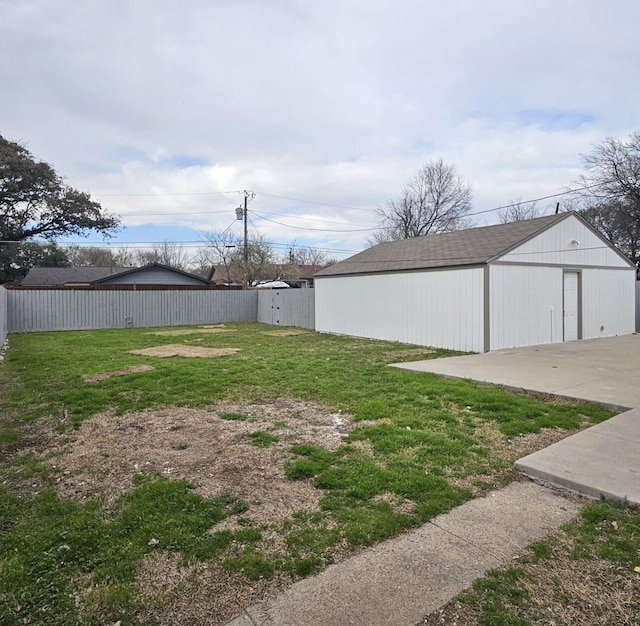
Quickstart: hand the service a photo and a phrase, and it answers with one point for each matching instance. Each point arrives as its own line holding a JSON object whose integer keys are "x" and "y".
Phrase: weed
{"x": 262, "y": 439}
{"x": 241, "y": 417}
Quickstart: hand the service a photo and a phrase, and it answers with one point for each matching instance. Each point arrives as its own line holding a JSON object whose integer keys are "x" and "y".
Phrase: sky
{"x": 164, "y": 111}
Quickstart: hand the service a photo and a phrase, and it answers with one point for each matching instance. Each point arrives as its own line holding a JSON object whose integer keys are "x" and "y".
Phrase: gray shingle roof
{"x": 472, "y": 246}
{"x": 56, "y": 276}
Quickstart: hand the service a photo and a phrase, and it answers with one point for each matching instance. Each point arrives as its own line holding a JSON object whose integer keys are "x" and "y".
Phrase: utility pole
{"x": 242, "y": 214}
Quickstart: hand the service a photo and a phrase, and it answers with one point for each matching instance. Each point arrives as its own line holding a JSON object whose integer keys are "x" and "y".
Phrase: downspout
{"x": 487, "y": 309}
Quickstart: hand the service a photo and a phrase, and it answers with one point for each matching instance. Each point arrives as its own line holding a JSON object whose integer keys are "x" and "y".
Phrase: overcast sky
{"x": 143, "y": 102}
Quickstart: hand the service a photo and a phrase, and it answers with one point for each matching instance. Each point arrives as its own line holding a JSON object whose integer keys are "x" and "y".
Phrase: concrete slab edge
{"x": 546, "y": 479}
{"x": 619, "y": 408}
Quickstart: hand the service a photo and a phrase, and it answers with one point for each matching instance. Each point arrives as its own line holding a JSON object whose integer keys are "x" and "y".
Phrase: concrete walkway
{"x": 399, "y": 581}
{"x": 603, "y": 460}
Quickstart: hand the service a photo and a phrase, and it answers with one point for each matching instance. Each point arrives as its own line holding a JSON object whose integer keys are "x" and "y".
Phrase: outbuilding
{"x": 545, "y": 280}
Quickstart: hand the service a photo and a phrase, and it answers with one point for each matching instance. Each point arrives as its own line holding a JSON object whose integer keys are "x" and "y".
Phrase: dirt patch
{"x": 189, "y": 352}
{"x": 211, "y": 330}
{"x": 217, "y": 455}
{"x": 133, "y": 369}
{"x": 294, "y": 332}
{"x": 482, "y": 474}
{"x": 564, "y": 592}
{"x": 408, "y": 355}
{"x": 397, "y": 504}
{"x": 199, "y": 594}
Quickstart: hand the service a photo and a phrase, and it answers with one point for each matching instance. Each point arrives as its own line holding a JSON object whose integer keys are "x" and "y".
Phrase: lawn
{"x": 182, "y": 488}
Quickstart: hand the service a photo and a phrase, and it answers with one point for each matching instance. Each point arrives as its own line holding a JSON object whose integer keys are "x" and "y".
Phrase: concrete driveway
{"x": 603, "y": 460}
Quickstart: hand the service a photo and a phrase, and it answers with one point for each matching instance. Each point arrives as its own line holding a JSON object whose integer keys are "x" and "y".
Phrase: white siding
{"x": 554, "y": 246}
{"x": 608, "y": 303}
{"x": 443, "y": 309}
{"x": 526, "y": 305}
{"x": 154, "y": 276}
{"x": 527, "y": 308}
{"x": 3, "y": 314}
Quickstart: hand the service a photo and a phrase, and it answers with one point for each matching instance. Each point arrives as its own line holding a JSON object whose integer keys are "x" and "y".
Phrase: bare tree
{"x": 261, "y": 260}
{"x": 612, "y": 191}
{"x": 613, "y": 170}
{"x": 304, "y": 255}
{"x": 124, "y": 257}
{"x": 617, "y": 221}
{"x": 436, "y": 200}
{"x": 165, "y": 253}
{"x": 219, "y": 248}
{"x": 86, "y": 256}
{"x": 519, "y": 211}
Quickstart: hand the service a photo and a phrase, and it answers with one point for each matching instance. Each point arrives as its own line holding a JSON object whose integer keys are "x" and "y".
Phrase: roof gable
{"x": 58, "y": 276}
{"x": 473, "y": 246}
{"x": 152, "y": 266}
{"x": 573, "y": 242}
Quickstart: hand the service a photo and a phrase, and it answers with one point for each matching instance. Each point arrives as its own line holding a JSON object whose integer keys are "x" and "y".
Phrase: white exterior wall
{"x": 527, "y": 309}
{"x": 608, "y": 302}
{"x": 554, "y": 246}
{"x": 443, "y": 309}
{"x": 526, "y": 288}
{"x": 526, "y": 305}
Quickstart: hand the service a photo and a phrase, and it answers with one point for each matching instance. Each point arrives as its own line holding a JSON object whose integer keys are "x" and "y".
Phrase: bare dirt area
{"x": 294, "y": 332}
{"x": 199, "y": 594}
{"x": 563, "y": 592}
{"x": 133, "y": 369}
{"x": 408, "y": 354}
{"x": 481, "y": 475}
{"x": 218, "y": 455}
{"x": 208, "y": 330}
{"x": 189, "y": 352}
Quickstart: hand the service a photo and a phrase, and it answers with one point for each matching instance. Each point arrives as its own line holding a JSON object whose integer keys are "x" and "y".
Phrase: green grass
{"x": 601, "y": 550}
{"x": 49, "y": 545}
{"x": 262, "y": 439}
{"x": 234, "y": 417}
{"x": 422, "y": 428}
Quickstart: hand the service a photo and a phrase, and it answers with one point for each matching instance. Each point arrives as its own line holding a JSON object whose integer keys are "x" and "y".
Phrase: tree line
{"x": 37, "y": 208}
{"x": 436, "y": 199}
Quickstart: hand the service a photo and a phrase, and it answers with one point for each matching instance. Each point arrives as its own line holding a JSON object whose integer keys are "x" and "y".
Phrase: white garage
{"x": 545, "y": 280}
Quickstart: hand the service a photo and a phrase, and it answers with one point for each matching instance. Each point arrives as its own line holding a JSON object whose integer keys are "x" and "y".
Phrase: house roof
{"x": 473, "y": 246}
{"x": 145, "y": 268}
{"x": 55, "y": 276}
{"x": 305, "y": 272}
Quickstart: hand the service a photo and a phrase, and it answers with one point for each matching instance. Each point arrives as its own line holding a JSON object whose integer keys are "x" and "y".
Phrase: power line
{"x": 163, "y": 194}
{"x": 171, "y": 214}
{"x": 323, "y": 230}
{"x": 326, "y": 204}
{"x": 336, "y": 206}
{"x": 471, "y": 259}
{"x": 309, "y": 219}
{"x": 188, "y": 242}
{"x": 553, "y": 195}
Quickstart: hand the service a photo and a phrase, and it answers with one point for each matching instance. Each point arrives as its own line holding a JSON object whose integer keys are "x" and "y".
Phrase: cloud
{"x": 330, "y": 102}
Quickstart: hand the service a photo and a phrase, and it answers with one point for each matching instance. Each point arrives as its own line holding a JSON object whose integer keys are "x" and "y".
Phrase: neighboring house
{"x": 544, "y": 280}
{"x": 297, "y": 275}
{"x": 293, "y": 275}
{"x": 67, "y": 276}
{"x": 153, "y": 274}
{"x": 221, "y": 275}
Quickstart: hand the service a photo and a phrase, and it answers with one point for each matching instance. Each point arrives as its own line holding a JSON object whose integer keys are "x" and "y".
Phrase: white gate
{"x": 570, "y": 306}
